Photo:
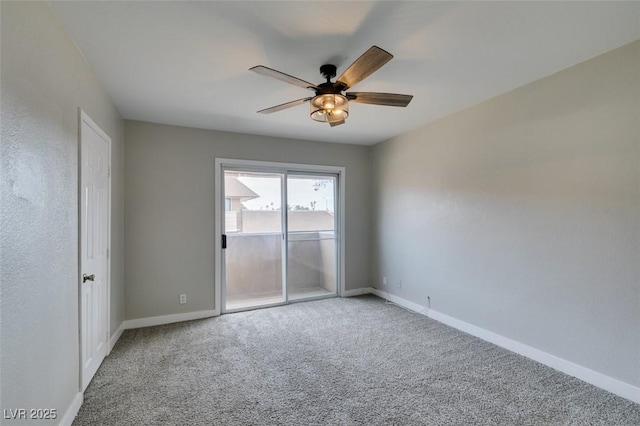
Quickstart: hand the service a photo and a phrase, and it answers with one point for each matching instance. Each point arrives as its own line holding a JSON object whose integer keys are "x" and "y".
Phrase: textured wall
{"x": 521, "y": 215}
{"x": 169, "y": 209}
{"x": 44, "y": 80}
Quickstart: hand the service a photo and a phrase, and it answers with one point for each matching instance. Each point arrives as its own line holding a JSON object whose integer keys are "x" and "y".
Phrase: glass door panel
{"x": 253, "y": 225}
{"x": 311, "y": 236}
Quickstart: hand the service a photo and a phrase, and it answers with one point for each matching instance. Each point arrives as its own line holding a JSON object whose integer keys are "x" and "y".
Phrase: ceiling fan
{"x": 331, "y": 102}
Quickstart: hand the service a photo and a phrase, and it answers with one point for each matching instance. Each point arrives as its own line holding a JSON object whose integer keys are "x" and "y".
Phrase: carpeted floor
{"x": 354, "y": 361}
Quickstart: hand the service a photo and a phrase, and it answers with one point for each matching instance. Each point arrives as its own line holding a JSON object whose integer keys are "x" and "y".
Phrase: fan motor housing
{"x": 332, "y": 88}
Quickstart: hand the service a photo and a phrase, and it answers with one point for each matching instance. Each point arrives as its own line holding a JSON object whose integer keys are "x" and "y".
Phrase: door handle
{"x": 86, "y": 277}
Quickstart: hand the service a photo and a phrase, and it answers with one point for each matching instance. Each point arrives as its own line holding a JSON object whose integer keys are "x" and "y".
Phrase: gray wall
{"x": 169, "y": 209}
{"x": 521, "y": 215}
{"x": 44, "y": 80}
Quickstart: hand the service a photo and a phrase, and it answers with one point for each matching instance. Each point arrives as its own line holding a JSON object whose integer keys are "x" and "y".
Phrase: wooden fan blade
{"x": 336, "y": 123}
{"x": 364, "y": 66}
{"x": 388, "y": 99}
{"x": 284, "y": 106}
{"x": 269, "y": 72}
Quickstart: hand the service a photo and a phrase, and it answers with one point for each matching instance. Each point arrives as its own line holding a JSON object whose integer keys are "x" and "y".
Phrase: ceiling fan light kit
{"x": 331, "y": 103}
{"x": 329, "y": 108}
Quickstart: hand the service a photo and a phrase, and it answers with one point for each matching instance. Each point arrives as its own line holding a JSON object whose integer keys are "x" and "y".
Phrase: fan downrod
{"x": 328, "y": 71}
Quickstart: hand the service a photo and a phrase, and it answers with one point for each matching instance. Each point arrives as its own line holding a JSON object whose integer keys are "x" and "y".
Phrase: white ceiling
{"x": 186, "y": 63}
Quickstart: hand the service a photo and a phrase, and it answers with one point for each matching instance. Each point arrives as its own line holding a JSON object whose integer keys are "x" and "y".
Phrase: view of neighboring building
{"x": 239, "y": 218}
{"x": 235, "y": 192}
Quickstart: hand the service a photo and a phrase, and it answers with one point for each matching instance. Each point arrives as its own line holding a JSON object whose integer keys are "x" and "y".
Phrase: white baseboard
{"x": 600, "y": 380}
{"x": 399, "y": 301}
{"x": 115, "y": 337}
{"x": 72, "y": 411}
{"x": 168, "y": 319}
{"x": 356, "y": 292}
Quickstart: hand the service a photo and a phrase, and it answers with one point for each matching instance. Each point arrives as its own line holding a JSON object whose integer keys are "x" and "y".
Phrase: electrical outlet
{"x": 384, "y": 280}
{"x": 399, "y": 284}
{"x": 183, "y": 299}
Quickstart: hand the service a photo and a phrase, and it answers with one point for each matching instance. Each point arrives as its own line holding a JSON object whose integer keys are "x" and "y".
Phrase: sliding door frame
{"x": 222, "y": 164}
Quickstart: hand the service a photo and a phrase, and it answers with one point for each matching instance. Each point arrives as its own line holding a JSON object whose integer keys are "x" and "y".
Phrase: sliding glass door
{"x": 253, "y": 226}
{"x": 311, "y": 242}
{"x": 279, "y": 237}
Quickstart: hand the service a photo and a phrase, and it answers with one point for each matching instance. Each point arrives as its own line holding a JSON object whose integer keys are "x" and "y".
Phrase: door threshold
{"x": 253, "y": 307}
{"x": 274, "y": 305}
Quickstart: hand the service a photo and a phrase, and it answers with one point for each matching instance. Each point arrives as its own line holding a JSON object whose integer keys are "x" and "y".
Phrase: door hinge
{"x": 224, "y": 241}
{"x": 108, "y": 253}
